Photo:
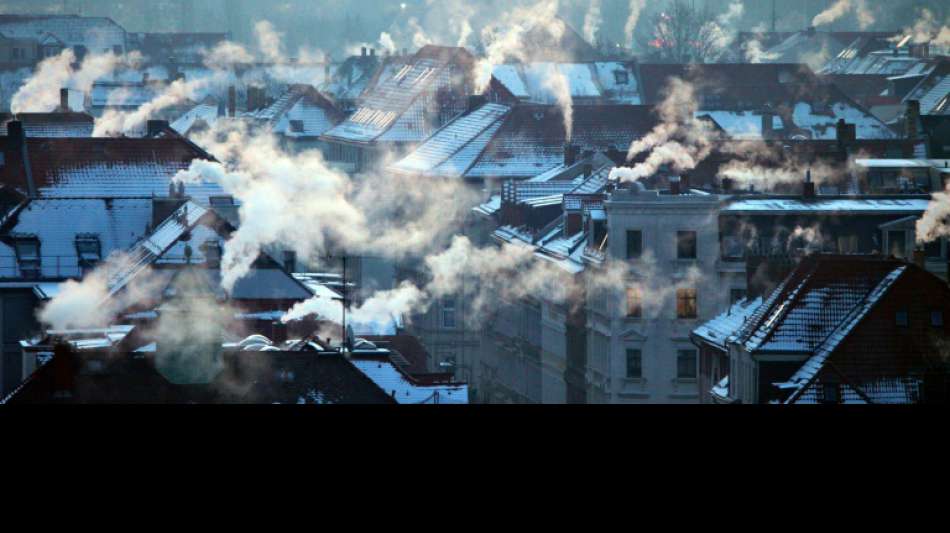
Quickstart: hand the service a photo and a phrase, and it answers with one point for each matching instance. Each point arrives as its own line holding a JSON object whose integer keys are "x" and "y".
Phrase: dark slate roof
{"x": 531, "y": 140}
{"x": 105, "y": 167}
{"x": 247, "y": 378}
{"x": 51, "y": 125}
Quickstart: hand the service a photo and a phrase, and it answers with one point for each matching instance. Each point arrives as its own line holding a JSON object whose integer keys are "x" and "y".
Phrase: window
{"x": 686, "y": 244}
{"x": 28, "y": 256}
{"x": 848, "y": 244}
{"x": 832, "y": 393}
{"x": 634, "y": 364}
{"x": 88, "y": 249}
{"x": 634, "y": 244}
{"x": 296, "y": 126}
{"x": 221, "y": 201}
{"x": 736, "y": 294}
{"x": 936, "y": 319}
{"x": 686, "y": 364}
{"x": 934, "y": 249}
{"x": 622, "y": 77}
{"x": 686, "y": 305}
{"x": 902, "y": 319}
{"x": 897, "y": 243}
{"x": 634, "y": 302}
{"x": 448, "y": 313}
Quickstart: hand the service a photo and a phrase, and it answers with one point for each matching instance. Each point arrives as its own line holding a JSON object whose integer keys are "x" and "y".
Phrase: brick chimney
{"x": 232, "y": 101}
{"x": 475, "y": 101}
{"x": 911, "y": 119}
{"x": 808, "y": 191}
{"x": 155, "y": 127}
{"x": 19, "y": 152}
{"x": 845, "y": 133}
{"x": 570, "y": 154}
{"x": 64, "y": 100}
{"x": 727, "y": 185}
{"x": 675, "y": 186}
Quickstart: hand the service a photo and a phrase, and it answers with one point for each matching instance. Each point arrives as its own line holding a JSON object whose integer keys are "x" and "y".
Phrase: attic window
{"x": 88, "y": 249}
{"x": 221, "y": 201}
{"x": 28, "y": 256}
{"x": 296, "y": 126}
{"x": 622, "y": 77}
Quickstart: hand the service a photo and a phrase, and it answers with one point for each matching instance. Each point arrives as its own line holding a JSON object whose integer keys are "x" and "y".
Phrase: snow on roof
{"x": 404, "y": 389}
{"x": 55, "y": 125}
{"x": 746, "y": 125}
{"x": 57, "y": 223}
{"x": 206, "y": 112}
{"x": 725, "y": 327}
{"x": 822, "y": 125}
{"x": 607, "y": 82}
{"x": 132, "y": 95}
{"x": 452, "y": 149}
{"x": 96, "y": 34}
{"x": 791, "y": 206}
{"x": 898, "y": 163}
{"x": 393, "y": 110}
{"x": 860, "y": 309}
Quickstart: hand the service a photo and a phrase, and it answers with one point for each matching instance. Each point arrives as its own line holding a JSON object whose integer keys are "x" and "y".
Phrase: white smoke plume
{"x": 89, "y": 304}
{"x": 679, "y": 139}
{"x": 862, "y": 12}
{"x": 934, "y": 223}
{"x": 753, "y": 49}
{"x": 723, "y": 31}
{"x": 592, "y": 21}
{"x": 630, "y": 28}
{"x": 556, "y": 81}
{"x": 927, "y": 29}
{"x": 40, "y": 93}
{"x": 278, "y": 190}
{"x": 507, "y": 41}
{"x": 269, "y": 41}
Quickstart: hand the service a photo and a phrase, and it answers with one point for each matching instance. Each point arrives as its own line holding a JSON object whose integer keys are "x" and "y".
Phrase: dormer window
{"x": 28, "y": 256}
{"x": 621, "y": 77}
{"x": 221, "y": 201}
{"x": 296, "y": 126}
{"x": 88, "y": 250}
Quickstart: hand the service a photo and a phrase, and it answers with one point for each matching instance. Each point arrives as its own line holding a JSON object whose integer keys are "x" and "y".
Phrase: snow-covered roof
{"x": 604, "y": 82}
{"x": 454, "y": 148}
{"x": 55, "y": 125}
{"x": 794, "y": 206}
{"x": 96, "y": 34}
{"x": 822, "y": 124}
{"x": 745, "y": 125}
{"x": 859, "y": 308}
{"x": 394, "y": 110}
{"x": 726, "y": 326}
{"x": 301, "y": 111}
{"x": 116, "y": 224}
{"x": 206, "y": 112}
{"x": 403, "y": 388}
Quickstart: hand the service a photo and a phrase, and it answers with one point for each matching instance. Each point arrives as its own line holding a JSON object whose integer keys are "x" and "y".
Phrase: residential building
{"x": 838, "y": 330}
{"x": 402, "y": 110}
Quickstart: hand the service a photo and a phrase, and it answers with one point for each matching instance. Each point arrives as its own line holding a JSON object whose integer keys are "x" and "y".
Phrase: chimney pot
{"x": 64, "y": 100}
{"x": 675, "y": 186}
{"x": 808, "y": 192}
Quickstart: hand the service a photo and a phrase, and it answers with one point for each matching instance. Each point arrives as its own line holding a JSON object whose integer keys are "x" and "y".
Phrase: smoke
{"x": 722, "y": 31}
{"x": 374, "y": 213}
{"x": 927, "y": 29}
{"x": 386, "y": 40}
{"x": 841, "y": 8}
{"x": 40, "y": 93}
{"x": 636, "y": 7}
{"x": 679, "y": 139}
{"x": 754, "y": 51}
{"x": 269, "y": 41}
{"x": 933, "y": 224}
{"x": 556, "y": 81}
{"x": 592, "y": 21}
{"x": 90, "y": 304}
{"x": 507, "y": 42}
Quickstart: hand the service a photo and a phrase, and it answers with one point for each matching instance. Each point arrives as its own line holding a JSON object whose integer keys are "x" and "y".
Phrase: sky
{"x": 337, "y": 25}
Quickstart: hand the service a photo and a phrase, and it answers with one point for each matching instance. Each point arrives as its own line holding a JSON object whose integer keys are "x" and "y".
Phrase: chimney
{"x": 476, "y": 101}
{"x": 363, "y": 52}
{"x": 767, "y": 122}
{"x": 232, "y": 101}
{"x": 727, "y": 185}
{"x": 675, "y": 186}
{"x": 911, "y": 119}
{"x": 588, "y": 170}
{"x": 64, "y": 100}
{"x": 64, "y": 372}
{"x": 845, "y": 133}
{"x": 920, "y": 258}
{"x": 155, "y": 127}
{"x": 372, "y": 52}
{"x": 808, "y": 192}
{"x": 16, "y": 137}
{"x": 570, "y": 154}
{"x": 684, "y": 183}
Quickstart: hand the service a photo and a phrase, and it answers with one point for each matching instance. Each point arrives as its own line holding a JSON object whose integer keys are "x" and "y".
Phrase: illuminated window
{"x": 686, "y": 304}
{"x": 634, "y": 302}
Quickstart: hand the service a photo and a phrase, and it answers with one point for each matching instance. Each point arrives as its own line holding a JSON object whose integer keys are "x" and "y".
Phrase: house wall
{"x": 17, "y": 322}
{"x": 659, "y": 334}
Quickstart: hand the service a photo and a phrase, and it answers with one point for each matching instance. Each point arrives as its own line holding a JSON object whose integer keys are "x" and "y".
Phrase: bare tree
{"x": 682, "y": 33}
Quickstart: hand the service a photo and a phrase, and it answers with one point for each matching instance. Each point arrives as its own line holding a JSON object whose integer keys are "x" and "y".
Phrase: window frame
{"x": 448, "y": 310}
{"x": 639, "y": 247}
{"x": 634, "y": 354}
{"x": 681, "y": 242}
{"x": 634, "y": 293}
{"x": 693, "y": 366}
{"x": 684, "y": 297}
